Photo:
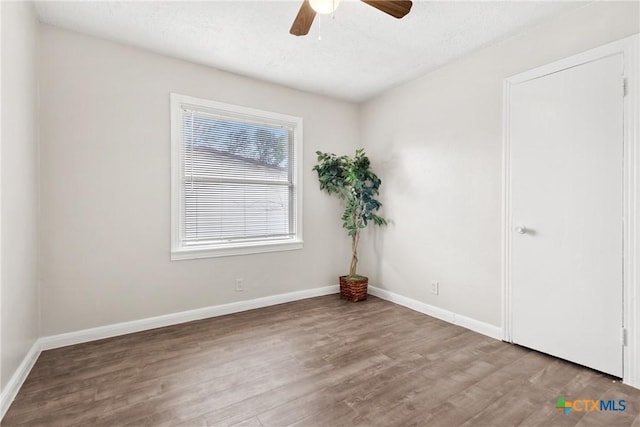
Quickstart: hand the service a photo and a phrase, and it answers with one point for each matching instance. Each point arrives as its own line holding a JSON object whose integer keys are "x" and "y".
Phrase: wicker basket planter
{"x": 354, "y": 289}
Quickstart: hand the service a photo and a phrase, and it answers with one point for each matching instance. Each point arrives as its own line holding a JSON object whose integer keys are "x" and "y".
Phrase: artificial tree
{"x": 352, "y": 180}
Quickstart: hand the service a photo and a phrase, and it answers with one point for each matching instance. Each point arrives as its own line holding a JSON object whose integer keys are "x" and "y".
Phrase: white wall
{"x": 105, "y": 187}
{"x": 19, "y": 308}
{"x": 437, "y": 143}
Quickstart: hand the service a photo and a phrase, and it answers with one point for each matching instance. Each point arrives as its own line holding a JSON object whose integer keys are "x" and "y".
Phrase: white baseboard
{"x": 10, "y": 391}
{"x": 55, "y": 341}
{"x": 439, "y": 313}
{"x": 108, "y": 331}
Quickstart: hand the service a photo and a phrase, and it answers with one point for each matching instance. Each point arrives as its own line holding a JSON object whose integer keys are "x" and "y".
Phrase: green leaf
{"x": 352, "y": 180}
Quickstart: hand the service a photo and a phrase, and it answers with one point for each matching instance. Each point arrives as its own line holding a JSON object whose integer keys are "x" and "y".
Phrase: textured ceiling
{"x": 362, "y": 51}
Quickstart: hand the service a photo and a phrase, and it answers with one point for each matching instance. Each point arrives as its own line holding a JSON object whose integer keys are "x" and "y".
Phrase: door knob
{"x": 520, "y": 229}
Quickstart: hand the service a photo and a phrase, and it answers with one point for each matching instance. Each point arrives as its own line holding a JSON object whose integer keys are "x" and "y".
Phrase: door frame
{"x": 629, "y": 48}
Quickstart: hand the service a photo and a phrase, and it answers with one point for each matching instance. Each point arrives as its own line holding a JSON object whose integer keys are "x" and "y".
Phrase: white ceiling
{"x": 362, "y": 52}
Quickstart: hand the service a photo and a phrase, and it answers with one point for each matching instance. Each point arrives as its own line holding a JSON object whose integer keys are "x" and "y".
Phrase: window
{"x": 235, "y": 180}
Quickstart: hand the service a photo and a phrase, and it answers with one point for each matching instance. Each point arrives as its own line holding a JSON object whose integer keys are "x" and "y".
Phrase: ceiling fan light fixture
{"x": 324, "y": 6}
{"x": 309, "y": 8}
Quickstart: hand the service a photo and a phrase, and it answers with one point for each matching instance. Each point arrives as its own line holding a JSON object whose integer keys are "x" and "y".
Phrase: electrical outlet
{"x": 435, "y": 288}
{"x": 239, "y": 285}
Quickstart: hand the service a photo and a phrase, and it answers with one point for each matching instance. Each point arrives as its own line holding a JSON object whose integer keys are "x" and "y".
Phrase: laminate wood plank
{"x": 506, "y": 381}
{"x": 316, "y": 362}
{"x": 250, "y": 422}
{"x": 325, "y": 399}
{"x": 407, "y": 400}
{"x": 266, "y": 401}
{"x": 204, "y": 397}
{"x": 337, "y": 415}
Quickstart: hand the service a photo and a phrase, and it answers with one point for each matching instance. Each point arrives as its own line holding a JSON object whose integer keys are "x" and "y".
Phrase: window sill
{"x": 216, "y": 251}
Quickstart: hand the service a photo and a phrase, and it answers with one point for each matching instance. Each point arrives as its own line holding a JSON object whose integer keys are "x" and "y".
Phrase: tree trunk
{"x": 354, "y": 253}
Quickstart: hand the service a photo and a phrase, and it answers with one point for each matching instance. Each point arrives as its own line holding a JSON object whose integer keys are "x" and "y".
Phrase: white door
{"x": 566, "y": 213}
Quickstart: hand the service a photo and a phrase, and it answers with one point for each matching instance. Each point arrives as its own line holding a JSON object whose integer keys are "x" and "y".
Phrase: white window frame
{"x": 181, "y": 251}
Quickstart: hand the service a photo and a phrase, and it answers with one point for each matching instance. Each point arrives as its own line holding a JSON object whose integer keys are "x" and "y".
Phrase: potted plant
{"x": 352, "y": 180}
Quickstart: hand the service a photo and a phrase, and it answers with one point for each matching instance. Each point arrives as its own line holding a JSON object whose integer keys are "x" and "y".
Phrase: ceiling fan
{"x": 309, "y": 8}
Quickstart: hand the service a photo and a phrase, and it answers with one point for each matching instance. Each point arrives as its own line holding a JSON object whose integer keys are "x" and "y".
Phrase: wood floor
{"x": 316, "y": 362}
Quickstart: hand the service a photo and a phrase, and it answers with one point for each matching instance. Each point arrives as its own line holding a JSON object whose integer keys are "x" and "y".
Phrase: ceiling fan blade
{"x": 395, "y": 8}
{"x": 303, "y": 21}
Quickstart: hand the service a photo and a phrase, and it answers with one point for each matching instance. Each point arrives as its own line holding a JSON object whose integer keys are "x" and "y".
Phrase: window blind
{"x": 237, "y": 179}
